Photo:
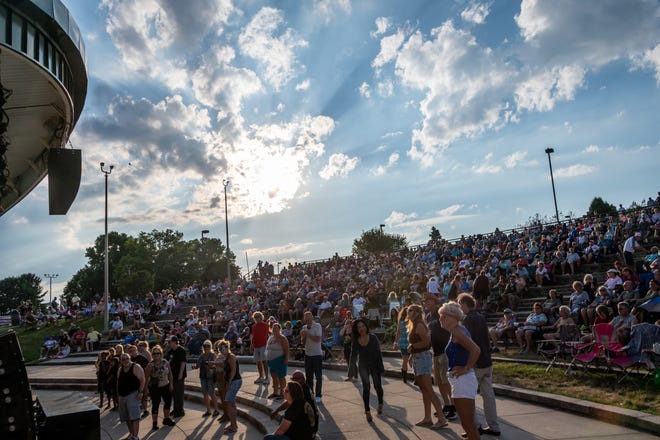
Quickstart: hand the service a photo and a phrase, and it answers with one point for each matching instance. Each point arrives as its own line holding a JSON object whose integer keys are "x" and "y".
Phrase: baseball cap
{"x": 507, "y": 310}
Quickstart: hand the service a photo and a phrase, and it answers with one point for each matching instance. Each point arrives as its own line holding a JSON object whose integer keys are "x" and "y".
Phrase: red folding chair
{"x": 595, "y": 352}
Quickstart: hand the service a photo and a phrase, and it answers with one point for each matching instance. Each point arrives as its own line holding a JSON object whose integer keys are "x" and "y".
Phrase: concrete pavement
{"x": 342, "y": 414}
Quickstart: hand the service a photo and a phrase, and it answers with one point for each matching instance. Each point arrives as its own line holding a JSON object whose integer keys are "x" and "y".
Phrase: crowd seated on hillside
{"x": 498, "y": 269}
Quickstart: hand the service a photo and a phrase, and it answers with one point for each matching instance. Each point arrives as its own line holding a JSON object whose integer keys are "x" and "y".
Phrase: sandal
{"x": 439, "y": 424}
{"x": 272, "y": 396}
{"x": 424, "y": 423}
{"x": 206, "y": 414}
{"x": 229, "y": 430}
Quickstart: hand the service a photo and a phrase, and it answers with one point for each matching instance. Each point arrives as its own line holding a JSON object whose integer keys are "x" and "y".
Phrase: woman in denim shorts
{"x": 233, "y": 383}
{"x": 419, "y": 337}
{"x": 206, "y": 366}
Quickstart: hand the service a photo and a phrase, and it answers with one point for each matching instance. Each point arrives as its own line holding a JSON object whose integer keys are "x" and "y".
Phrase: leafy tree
{"x": 435, "y": 234}
{"x": 599, "y": 206}
{"x": 25, "y": 287}
{"x": 376, "y": 241}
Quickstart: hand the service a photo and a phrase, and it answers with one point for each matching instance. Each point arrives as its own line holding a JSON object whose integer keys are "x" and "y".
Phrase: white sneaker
{"x": 318, "y": 399}
{"x": 266, "y": 381}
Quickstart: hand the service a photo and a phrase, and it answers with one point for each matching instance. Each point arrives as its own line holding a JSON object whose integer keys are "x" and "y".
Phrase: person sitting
{"x": 602, "y": 298}
{"x": 93, "y": 340}
{"x": 531, "y": 328}
{"x": 49, "y": 348}
{"x": 578, "y": 302}
{"x": 551, "y": 306}
{"x": 117, "y": 328}
{"x": 299, "y": 417}
{"x": 623, "y": 323}
{"x": 506, "y": 324}
{"x": 78, "y": 339}
{"x": 564, "y": 319}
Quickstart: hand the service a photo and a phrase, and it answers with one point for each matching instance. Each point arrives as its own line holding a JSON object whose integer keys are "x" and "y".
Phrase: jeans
{"x": 177, "y": 395}
{"x": 313, "y": 367}
{"x": 485, "y": 380}
{"x": 365, "y": 372}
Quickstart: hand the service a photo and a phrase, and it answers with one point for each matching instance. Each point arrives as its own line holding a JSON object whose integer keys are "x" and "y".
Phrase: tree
{"x": 13, "y": 290}
{"x": 599, "y": 206}
{"x": 376, "y": 241}
{"x": 435, "y": 234}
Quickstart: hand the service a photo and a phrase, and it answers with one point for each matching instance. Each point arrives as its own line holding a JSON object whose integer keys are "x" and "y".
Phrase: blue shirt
{"x": 457, "y": 355}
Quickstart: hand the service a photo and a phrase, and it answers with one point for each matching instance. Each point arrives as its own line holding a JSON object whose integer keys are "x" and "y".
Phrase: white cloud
{"x": 397, "y": 218}
{"x": 382, "y": 26}
{"x": 339, "y": 164}
{"x": 592, "y": 149}
{"x": 650, "y": 59}
{"x": 574, "y": 170}
{"x": 486, "y": 169}
{"x": 273, "y": 51}
{"x": 22, "y": 220}
{"x": 540, "y": 92}
{"x": 329, "y": 8}
{"x": 283, "y": 250}
{"x": 246, "y": 241}
{"x": 385, "y": 88}
{"x": 476, "y": 13}
{"x": 304, "y": 85}
{"x": 449, "y": 210}
{"x": 365, "y": 90}
{"x": 514, "y": 159}
{"x": 389, "y": 47}
{"x": 382, "y": 169}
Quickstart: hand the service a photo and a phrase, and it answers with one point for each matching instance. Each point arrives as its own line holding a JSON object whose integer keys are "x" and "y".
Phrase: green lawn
{"x": 32, "y": 340}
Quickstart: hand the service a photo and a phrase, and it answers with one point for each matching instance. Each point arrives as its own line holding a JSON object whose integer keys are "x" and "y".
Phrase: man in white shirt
{"x": 311, "y": 335}
{"x": 433, "y": 286}
{"x": 630, "y": 246}
{"x": 117, "y": 327}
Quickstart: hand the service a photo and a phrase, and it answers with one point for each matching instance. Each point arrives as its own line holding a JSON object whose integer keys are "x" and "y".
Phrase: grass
{"x": 32, "y": 340}
{"x": 594, "y": 386}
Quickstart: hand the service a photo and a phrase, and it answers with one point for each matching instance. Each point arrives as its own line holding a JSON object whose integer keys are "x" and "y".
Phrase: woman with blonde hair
{"x": 233, "y": 382}
{"x": 401, "y": 343}
{"x": 419, "y": 338}
{"x": 462, "y": 354}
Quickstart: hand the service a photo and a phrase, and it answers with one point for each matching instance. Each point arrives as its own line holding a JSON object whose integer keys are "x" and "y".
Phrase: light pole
{"x": 549, "y": 151}
{"x": 204, "y": 231}
{"x": 50, "y": 290}
{"x": 225, "y": 183}
{"x": 106, "y": 298}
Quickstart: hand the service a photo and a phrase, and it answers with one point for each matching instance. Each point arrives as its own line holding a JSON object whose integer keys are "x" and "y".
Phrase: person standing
{"x": 630, "y": 246}
{"x": 277, "y": 355}
{"x": 177, "y": 357}
{"x": 311, "y": 335}
{"x": 346, "y": 334}
{"x": 439, "y": 340}
{"x": 158, "y": 376}
{"x": 206, "y": 366}
{"x": 462, "y": 354}
{"x": 233, "y": 383}
{"x": 401, "y": 342}
{"x": 258, "y": 340}
{"x": 483, "y": 368}
{"x": 130, "y": 388}
{"x": 366, "y": 352}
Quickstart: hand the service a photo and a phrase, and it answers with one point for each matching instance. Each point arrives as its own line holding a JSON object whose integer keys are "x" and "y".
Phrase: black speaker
{"x": 67, "y": 415}
{"x": 16, "y": 409}
{"x": 64, "y": 168}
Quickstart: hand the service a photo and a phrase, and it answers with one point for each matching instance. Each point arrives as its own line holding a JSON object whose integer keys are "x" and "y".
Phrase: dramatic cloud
{"x": 539, "y": 93}
{"x": 389, "y": 47}
{"x": 338, "y": 164}
{"x": 273, "y": 51}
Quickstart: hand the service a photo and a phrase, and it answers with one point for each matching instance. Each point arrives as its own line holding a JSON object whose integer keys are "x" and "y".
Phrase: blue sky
{"x": 330, "y": 117}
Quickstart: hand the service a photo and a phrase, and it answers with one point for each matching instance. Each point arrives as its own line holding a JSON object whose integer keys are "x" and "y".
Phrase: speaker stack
{"x": 16, "y": 409}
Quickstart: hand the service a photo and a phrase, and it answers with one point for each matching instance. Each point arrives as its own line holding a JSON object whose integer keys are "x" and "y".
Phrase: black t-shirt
{"x": 478, "y": 328}
{"x": 439, "y": 338}
{"x": 176, "y": 357}
{"x": 301, "y": 416}
{"x": 141, "y": 361}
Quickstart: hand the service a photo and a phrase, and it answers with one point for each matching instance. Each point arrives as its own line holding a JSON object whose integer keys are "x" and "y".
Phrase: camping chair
{"x": 593, "y": 352}
{"x": 632, "y": 357}
{"x": 553, "y": 350}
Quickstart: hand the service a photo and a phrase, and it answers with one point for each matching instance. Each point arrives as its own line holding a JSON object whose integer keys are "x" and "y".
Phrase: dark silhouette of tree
{"x": 376, "y": 241}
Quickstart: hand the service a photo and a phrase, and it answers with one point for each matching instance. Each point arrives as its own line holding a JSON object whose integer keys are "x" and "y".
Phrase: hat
{"x": 207, "y": 344}
{"x": 173, "y": 338}
{"x": 638, "y": 234}
{"x": 612, "y": 271}
{"x": 507, "y": 310}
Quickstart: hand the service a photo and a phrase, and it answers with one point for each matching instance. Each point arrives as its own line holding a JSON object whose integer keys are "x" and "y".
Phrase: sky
{"x": 331, "y": 117}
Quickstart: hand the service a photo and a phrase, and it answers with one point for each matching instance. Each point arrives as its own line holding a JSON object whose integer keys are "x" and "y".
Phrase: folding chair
{"x": 594, "y": 352}
{"x": 559, "y": 349}
{"x": 632, "y": 357}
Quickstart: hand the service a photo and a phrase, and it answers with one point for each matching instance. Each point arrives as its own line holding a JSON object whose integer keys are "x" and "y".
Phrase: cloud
{"x": 385, "y": 88}
{"x": 303, "y": 85}
{"x": 246, "y": 241}
{"x": 329, "y": 8}
{"x": 449, "y": 210}
{"x": 365, "y": 90}
{"x": 389, "y": 47}
{"x": 540, "y": 92}
{"x": 397, "y": 218}
{"x": 295, "y": 249}
{"x": 574, "y": 170}
{"x": 339, "y": 164}
{"x": 486, "y": 169}
{"x": 382, "y": 169}
{"x": 592, "y": 149}
{"x": 382, "y": 25}
{"x": 650, "y": 59}
{"x": 273, "y": 51}
{"x": 476, "y": 13}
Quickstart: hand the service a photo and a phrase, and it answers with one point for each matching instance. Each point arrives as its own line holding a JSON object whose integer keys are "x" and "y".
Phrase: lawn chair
{"x": 594, "y": 352}
{"x": 632, "y": 357}
{"x": 563, "y": 348}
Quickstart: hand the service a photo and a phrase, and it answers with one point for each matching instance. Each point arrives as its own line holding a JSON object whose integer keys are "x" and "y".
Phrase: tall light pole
{"x": 549, "y": 151}
{"x": 50, "y": 290}
{"x": 225, "y": 183}
{"x": 204, "y": 231}
{"x": 106, "y": 288}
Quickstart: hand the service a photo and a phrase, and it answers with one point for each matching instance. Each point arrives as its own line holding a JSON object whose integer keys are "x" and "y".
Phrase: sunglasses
{"x": 156, "y": 353}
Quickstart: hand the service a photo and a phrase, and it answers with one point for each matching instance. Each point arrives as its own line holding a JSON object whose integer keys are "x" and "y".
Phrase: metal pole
{"x": 50, "y": 289}
{"x": 106, "y": 281}
{"x": 552, "y": 179}
{"x": 226, "y": 183}
{"x": 247, "y": 263}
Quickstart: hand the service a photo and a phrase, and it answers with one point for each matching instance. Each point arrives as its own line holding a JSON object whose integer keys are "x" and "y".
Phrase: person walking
{"x": 439, "y": 340}
{"x": 419, "y": 338}
{"x": 311, "y": 335}
{"x": 366, "y": 353}
{"x": 233, "y": 383}
{"x": 277, "y": 358}
{"x": 206, "y": 366}
{"x": 130, "y": 388}
{"x": 177, "y": 359}
{"x": 478, "y": 327}
{"x": 462, "y": 354}
{"x": 346, "y": 334}
{"x": 258, "y": 338}
{"x": 401, "y": 342}
{"x": 158, "y": 376}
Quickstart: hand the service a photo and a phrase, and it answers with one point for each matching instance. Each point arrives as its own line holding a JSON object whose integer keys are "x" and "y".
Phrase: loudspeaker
{"x": 67, "y": 415}
{"x": 16, "y": 409}
{"x": 64, "y": 168}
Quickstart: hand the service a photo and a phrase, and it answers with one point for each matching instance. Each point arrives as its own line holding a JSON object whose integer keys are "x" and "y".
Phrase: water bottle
{"x": 656, "y": 376}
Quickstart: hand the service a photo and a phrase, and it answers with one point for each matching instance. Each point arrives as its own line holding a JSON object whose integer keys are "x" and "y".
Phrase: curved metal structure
{"x": 42, "y": 65}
